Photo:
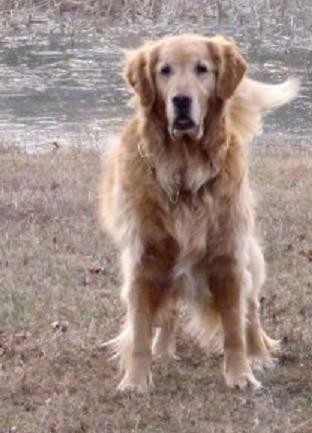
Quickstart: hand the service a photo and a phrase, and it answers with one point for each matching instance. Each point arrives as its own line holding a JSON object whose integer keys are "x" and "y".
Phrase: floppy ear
{"x": 231, "y": 66}
{"x": 138, "y": 73}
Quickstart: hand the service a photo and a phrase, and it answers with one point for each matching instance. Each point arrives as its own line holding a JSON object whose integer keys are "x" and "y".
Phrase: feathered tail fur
{"x": 253, "y": 98}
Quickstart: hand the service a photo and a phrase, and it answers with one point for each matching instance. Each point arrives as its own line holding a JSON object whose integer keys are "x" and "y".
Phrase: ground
{"x": 59, "y": 303}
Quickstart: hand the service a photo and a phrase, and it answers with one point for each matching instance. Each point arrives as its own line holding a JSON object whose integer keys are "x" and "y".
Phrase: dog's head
{"x": 181, "y": 76}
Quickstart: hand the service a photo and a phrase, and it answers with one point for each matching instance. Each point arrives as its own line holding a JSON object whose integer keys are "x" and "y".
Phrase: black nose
{"x": 182, "y": 103}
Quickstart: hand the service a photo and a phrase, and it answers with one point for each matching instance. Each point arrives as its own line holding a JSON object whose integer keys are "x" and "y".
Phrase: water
{"x": 57, "y": 86}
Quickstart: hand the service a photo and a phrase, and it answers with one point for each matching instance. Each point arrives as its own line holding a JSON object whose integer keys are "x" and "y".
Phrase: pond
{"x": 65, "y": 87}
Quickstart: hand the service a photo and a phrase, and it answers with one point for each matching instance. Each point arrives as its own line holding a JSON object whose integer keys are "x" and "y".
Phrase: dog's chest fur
{"x": 185, "y": 171}
{"x": 211, "y": 209}
{"x": 193, "y": 221}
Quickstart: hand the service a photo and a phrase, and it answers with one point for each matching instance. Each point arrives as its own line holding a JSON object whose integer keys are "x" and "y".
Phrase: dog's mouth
{"x": 184, "y": 125}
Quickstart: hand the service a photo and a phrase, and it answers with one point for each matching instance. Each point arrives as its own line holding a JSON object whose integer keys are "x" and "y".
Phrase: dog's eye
{"x": 165, "y": 70}
{"x": 201, "y": 69}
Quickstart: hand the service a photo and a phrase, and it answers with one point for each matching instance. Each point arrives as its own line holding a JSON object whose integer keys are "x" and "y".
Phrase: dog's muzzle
{"x": 183, "y": 123}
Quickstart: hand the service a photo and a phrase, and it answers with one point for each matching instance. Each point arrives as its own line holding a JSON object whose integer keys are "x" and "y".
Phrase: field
{"x": 59, "y": 303}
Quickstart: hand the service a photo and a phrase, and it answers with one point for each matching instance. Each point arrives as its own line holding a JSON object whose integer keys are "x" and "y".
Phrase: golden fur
{"x": 180, "y": 209}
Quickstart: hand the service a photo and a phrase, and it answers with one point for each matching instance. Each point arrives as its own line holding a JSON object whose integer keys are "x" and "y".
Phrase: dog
{"x": 176, "y": 199}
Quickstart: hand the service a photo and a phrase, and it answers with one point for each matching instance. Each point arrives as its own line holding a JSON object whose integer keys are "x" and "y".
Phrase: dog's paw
{"x": 272, "y": 345}
{"x": 135, "y": 383}
{"x": 164, "y": 344}
{"x": 263, "y": 362}
{"x": 242, "y": 380}
{"x": 163, "y": 351}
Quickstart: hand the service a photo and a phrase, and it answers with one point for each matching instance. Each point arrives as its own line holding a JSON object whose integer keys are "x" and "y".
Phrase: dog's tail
{"x": 265, "y": 97}
{"x": 253, "y": 98}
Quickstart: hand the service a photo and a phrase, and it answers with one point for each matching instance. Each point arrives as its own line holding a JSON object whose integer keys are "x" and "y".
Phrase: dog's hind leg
{"x": 259, "y": 344}
{"x": 204, "y": 326}
{"x": 164, "y": 343}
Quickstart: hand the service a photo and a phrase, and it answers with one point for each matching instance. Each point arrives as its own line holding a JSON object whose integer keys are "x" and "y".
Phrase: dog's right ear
{"x": 138, "y": 73}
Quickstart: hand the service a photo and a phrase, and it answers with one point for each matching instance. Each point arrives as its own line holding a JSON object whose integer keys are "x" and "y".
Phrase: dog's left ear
{"x": 231, "y": 66}
{"x": 138, "y": 73}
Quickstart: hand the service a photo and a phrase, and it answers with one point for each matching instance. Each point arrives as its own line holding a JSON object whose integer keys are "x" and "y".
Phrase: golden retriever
{"x": 176, "y": 200}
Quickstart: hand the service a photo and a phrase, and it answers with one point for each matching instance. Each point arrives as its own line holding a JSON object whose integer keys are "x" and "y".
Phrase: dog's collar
{"x": 178, "y": 191}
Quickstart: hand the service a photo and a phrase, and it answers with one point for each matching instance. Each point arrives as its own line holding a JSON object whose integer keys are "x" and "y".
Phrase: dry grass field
{"x": 59, "y": 303}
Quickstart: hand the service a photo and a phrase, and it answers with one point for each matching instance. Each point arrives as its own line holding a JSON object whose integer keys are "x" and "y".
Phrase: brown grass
{"x": 59, "y": 302}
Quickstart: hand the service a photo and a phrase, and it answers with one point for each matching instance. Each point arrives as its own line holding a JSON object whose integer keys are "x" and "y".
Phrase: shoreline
{"x": 263, "y": 143}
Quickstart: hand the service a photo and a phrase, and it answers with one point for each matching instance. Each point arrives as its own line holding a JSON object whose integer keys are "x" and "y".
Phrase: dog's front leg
{"x": 145, "y": 292}
{"x": 226, "y": 284}
{"x": 134, "y": 341}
